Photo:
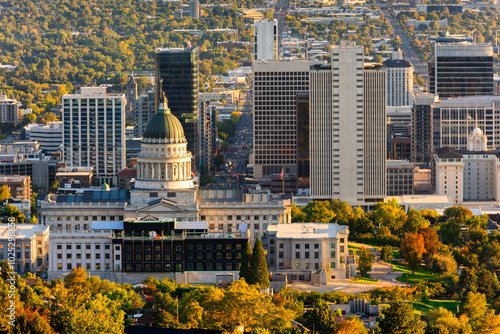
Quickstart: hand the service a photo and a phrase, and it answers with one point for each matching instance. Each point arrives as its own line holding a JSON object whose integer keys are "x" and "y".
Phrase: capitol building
{"x": 85, "y": 227}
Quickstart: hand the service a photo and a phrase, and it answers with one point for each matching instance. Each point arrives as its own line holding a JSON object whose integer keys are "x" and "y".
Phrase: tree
{"x": 352, "y": 326}
{"x": 365, "y": 261}
{"x": 258, "y": 270}
{"x": 11, "y": 211}
{"x": 246, "y": 262}
{"x": 413, "y": 249}
{"x": 4, "y": 194}
{"x": 431, "y": 240}
{"x": 54, "y": 186}
{"x": 321, "y": 317}
{"x": 451, "y": 232}
{"x": 441, "y": 320}
{"x": 389, "y": 214}
{"x": 386, "y": 254}
{"x": 400, "y": 318}
{"x": 474, "y": 306}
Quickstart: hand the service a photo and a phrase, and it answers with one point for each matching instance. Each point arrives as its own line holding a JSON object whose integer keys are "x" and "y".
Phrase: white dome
{"x": 477, "y": 132}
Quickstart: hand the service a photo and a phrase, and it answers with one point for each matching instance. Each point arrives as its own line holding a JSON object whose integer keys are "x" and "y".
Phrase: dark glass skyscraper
{"x": 177, "y": 75}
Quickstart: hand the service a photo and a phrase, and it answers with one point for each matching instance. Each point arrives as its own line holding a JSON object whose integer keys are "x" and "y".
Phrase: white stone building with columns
{"x": 471, "y": 175}
{"x": 164, "y": 187}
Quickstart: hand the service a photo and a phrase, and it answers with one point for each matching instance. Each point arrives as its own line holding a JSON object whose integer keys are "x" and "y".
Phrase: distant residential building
{"x": 94, "y": 132}
{"x": 9, "y": 110}
{"x": 144, "y": 109}
{"x": 19, "y": 186}
{"x": 124, "y": 178}
{"x": 194, "y": 9}
{"x": 77, "y": 177}
{"x": 49, "y": 136}
{"x": 42, "y": 171}
{"x": 399, "y": 120}
{"x": 470, "y": 174}
{"x": 461, "y": 69}
{"x": 265, "y": 39}
{"x": 19, "y": 150}
{"x": 399, "y": 80}
{"x": 32, "y": 246}
{"x": 400, "y": 148}
{"x": 311, "y": 252}
{"x": 399, "y": 177}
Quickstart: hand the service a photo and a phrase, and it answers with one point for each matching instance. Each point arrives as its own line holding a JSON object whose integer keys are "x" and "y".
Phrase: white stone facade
{"x": 301, "y": 250}
{"x": 266, "y": 40}
{"x": 31, "y": 246}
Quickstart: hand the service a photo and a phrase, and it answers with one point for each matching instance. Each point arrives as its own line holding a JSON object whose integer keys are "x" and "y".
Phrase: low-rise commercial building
{"x": 312, "y": 252}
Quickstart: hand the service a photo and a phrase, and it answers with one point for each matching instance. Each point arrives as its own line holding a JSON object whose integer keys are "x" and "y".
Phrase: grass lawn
{"x": 407, "y": 277}
{"x": 365, "y": 280}
{"x": 424, "y": 307}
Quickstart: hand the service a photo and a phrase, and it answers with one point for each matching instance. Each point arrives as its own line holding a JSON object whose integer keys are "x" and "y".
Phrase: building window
{"x": 332, "y": 254}
{"x": 280, "y": 254}
{"x": 332, "y": 265}
{"x": 297, "y": 246}
{"x": 297, "y": 266}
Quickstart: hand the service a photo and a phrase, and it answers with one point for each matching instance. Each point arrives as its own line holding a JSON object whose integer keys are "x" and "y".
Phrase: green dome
{"x": 163, "y": 125}
{"x": 105, "y": 186}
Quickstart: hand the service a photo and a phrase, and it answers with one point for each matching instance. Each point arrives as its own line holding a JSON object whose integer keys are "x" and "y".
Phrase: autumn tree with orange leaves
{"x": 413, "y": 248}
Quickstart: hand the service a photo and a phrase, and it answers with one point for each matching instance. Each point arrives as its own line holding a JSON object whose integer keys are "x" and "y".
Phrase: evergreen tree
{"x": 258, "y": 270}
{"x": 400, "y": 317}
{"x": 246, "y": 262}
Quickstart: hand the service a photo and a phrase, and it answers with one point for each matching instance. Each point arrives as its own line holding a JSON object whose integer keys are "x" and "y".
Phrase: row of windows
{"x": 86, "y": 218}
{"x": 168, "y": 267}
{"x": 98, "y": 266}
{"x": 239, "y": 217}
{"x": 79, "y": 246}
{"x": 179, "y": 248}
{"x": 178, "y": 257}
{"x": 88, "y": 256}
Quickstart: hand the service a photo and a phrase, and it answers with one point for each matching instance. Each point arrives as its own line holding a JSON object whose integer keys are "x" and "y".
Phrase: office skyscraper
{"x": 144, "y": 109}
{"x": 275, "y": 115}
{"x": 94, "y": 132}
{"x": 194, "y": 9}
{"x": 265, "y": 33}
{"x": 348, "y": 127}
{"x": 461, "y": 70}
{"x": 421, "y": 129}
{"x": 177, "y": 75}
{"x": 399, "y": 80}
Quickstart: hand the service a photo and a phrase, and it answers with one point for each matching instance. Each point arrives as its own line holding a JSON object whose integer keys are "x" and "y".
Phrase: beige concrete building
{"x": 94, "y": 132}
{"x": 348, "y": 128}
{"x": 312, "y": 252}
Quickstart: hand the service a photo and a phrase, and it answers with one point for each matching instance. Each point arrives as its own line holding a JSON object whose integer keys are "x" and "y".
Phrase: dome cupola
{"x": 164, "y": 127}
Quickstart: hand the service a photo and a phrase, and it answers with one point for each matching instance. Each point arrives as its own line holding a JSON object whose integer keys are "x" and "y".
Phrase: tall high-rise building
{"x": 194, "y": 9}
{"x": 207, "y": 151}
{"x": 9, "y": 110}
{"x": 275, "y": 115}
{"x": 131, "y": 96}
{"x": 94, "y": 132}
{"x": 144, "y": 109}
{"x": 177, "y": 75}
{"x": 348, "y": 127}
{"x": 399, "y": 80}
{"x": 303, "y": 139}
{"x": 265, "y": 34}
{"x": 421, "y": 129}
{"x": 462, "y": 69}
